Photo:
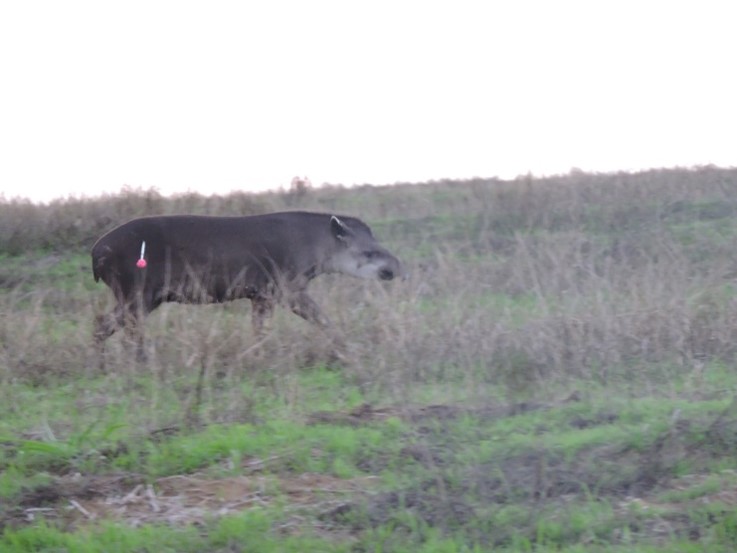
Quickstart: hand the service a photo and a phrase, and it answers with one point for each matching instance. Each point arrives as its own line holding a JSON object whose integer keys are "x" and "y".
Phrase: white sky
{"x": 215, "y": 96}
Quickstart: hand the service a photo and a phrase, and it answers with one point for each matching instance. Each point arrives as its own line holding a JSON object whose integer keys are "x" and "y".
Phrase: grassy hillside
{"x": 558, "y": 374}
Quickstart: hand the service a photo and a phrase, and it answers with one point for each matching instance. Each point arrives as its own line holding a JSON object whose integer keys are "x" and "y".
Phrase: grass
{"x": 556, "y": 375}
{"x": 248, "y": 531}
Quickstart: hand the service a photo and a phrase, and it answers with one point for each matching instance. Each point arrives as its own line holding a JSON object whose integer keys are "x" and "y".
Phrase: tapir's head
{"x": 359, "y": 254}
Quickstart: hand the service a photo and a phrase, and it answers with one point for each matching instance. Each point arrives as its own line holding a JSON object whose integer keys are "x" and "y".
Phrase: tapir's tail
{"x": 99, "y": 261}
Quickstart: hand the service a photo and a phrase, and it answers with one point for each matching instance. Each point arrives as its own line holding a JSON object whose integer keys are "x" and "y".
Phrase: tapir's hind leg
{"x": 262, "y": 310}
{"x": 125, "y": 316}
{"x": 105, "y": 326}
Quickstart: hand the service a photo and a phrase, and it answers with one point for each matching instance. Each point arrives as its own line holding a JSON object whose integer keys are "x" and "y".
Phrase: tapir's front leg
{"x": 303, "y": 305}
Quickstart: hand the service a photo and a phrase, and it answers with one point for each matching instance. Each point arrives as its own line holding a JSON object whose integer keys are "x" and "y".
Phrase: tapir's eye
{"x": 369, "y": 254}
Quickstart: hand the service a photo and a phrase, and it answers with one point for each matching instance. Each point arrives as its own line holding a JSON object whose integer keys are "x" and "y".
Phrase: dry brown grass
{"x": 531, "y": 283}
{"x": 562, "y": 354}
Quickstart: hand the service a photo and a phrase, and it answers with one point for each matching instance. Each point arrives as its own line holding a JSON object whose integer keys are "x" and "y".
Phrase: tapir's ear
{"x": 340, "y": 231}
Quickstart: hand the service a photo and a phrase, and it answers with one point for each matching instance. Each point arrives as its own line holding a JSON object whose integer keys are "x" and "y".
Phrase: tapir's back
{"x": 220, "y": 251}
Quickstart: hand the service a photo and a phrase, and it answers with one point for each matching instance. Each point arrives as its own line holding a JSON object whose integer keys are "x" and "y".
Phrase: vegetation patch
{"x": 557, "y": 374}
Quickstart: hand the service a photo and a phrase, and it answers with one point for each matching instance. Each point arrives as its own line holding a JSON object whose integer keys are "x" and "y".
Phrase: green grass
{"x": 249, "y": 531}
{"x": 445, "y": 466}
{"x": 557, "y": 375}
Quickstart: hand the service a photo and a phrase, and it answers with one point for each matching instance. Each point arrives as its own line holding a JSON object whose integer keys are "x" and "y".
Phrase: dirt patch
{"x": 534, "y": 481}
{"x": 60, "y": 500}
{"x": 671, "y": 518}
{"x": 426, "y": 502}
{"x": 191, "y": 499}
{"x": 366, "y": 413}
{"x": 543, "y": 476}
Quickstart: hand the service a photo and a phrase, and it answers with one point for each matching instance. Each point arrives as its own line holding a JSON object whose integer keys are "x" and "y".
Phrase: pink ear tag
{"x": 141, "y": 263}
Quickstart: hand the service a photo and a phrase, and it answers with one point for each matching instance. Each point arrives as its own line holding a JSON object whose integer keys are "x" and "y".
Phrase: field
{"x": 557, "y": 374}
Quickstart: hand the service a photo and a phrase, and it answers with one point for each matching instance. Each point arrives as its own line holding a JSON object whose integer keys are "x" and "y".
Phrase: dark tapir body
{"x": 266, "y": 258}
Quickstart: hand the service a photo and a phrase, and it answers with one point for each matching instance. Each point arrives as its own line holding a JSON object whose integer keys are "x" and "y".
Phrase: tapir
{"x": 269, "y": 259}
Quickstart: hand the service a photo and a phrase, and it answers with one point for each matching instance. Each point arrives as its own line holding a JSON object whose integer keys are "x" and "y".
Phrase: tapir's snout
{"x": 392, "y": 269}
